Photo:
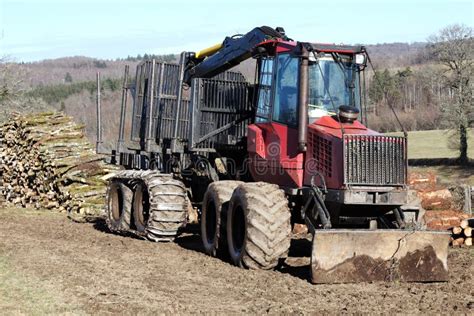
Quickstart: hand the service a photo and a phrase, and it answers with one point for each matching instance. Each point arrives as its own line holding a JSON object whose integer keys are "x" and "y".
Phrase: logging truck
{"x": 249, "y": 160}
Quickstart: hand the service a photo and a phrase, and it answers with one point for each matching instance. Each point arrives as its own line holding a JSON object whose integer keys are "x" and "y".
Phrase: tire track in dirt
{"x": 95, "y": 271}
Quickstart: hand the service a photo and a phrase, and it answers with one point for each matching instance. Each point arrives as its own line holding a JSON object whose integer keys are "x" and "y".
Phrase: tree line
{"x": 438, "y": 95}
{"x": 54, "y": 94}
{"x": 435, "y": 92}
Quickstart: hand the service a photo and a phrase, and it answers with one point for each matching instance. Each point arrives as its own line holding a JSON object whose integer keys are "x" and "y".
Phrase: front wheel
{"x": 214, "y": 214}
{"x": 258, "y": 226}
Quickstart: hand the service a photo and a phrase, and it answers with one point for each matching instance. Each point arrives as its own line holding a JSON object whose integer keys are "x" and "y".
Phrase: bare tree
{"x": 11, "y": 85}
{"x": 453, "y": 47}
{"x": 13, "y": 88}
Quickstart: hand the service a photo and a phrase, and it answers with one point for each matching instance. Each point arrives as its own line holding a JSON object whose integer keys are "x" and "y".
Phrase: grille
{"x": 322, "y": 153}
{"x": 374, "y": 160}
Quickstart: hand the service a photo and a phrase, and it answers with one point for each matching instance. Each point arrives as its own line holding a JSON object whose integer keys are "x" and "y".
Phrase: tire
{"x": 258, "y": 226}
{"x": 213, "y": 216}
{"x": 119, "y": 206}
{"x": 160, "y": 200}
{"x": 141, "y": 207}
{"x": 168, "y": 201}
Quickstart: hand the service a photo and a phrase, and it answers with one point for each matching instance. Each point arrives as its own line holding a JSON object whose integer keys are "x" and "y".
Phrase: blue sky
{"x": 35, "y": 30}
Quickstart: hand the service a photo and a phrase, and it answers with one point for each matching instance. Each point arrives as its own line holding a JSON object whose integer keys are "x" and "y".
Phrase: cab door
{"x": 273, "y": 139}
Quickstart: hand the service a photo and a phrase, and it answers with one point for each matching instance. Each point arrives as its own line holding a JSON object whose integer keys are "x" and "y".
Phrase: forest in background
{"x": 407, "y": 77}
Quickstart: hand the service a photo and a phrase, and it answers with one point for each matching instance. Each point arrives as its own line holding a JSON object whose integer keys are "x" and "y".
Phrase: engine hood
{"x": 329, "y": 125}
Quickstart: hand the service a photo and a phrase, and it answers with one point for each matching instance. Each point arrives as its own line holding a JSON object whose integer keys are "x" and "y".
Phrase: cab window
{"x": 286, "y": 90}
{"x": 265, "y": 90}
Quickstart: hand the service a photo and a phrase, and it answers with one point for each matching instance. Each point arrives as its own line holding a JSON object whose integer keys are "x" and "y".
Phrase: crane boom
{"x": 233, "y": 50}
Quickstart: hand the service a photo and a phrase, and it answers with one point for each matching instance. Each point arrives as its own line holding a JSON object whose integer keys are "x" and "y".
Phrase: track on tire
{"x": 167, "y": 203}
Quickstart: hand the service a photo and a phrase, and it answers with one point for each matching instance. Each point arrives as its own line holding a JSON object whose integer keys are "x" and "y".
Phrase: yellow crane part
{"x": 206, "y": 52}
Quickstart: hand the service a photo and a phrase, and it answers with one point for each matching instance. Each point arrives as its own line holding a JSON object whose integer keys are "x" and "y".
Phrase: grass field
{"x": 435, "y": 144}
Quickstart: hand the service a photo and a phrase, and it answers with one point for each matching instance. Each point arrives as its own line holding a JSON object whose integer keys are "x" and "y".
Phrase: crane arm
{"x": 231, "y": 52}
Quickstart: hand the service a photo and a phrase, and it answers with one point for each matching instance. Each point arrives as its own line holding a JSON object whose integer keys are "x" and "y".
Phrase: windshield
{"x": 328, "y": 80}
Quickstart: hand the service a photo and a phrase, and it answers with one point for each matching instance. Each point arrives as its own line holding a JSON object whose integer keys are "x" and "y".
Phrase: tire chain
{"x": 166, "y": 217}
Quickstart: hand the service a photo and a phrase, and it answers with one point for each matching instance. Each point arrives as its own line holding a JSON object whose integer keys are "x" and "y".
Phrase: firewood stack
{"x": 445, "y": 205}
{"x": 462, "y": 234}
{"x": 47, "y": 162}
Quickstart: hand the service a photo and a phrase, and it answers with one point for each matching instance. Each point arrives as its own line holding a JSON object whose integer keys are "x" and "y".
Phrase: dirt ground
{"x": 49, "y": 264}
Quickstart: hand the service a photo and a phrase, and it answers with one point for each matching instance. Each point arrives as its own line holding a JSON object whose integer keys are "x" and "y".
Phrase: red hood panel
{"x": 328, "y": 125}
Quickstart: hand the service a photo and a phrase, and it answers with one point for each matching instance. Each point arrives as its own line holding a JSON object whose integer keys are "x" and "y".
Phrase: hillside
{"x": 80, "y": 68}
{"x": 68, "y": 84}
{"x": 55, "y": 71}
{"x": 394, "y": 55}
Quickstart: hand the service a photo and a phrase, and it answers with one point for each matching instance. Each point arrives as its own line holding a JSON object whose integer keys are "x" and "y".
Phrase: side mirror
{"x": 360, "y": 59}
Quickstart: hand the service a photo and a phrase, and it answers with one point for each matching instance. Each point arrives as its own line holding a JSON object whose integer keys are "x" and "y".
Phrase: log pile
{"x": 433, "y": 195}
{"x": 47, "y": 162}
{"x": 462, "y": 235}
{"x": 444, "y": 205}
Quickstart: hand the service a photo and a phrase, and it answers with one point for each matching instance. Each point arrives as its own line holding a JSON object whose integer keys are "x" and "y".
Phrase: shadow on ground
{"x": 100, "y": 225}
{"x": 440, "y": 162}
{"x": 190, "y": 241}
{"x": 297, "y": 263}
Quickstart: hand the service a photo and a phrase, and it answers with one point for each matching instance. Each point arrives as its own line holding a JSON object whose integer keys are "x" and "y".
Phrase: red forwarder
{"x": 255, "y": 159}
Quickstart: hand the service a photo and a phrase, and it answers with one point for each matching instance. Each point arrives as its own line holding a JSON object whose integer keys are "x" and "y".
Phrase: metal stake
{"x": 98, "y": 146}
{"x": 123, "y": 111}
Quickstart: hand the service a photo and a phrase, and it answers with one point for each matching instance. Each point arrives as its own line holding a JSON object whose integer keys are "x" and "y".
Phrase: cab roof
{"x": 279, "y": 46}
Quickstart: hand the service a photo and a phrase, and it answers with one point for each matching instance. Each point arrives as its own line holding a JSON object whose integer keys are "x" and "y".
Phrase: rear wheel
{"x": 119, "y": 205}
{"x": 141, "y": 207}
{"x": 214, "y": 215}
{"x": 258, "y": 226}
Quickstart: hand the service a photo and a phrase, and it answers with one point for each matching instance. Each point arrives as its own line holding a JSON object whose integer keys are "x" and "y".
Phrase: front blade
{"x": 348, "y": 256}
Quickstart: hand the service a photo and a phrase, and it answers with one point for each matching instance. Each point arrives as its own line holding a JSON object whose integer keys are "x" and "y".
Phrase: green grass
{"x": 448, "y": 175}
{"x": 435, "y": 144}
{"x": 22, "y": 294}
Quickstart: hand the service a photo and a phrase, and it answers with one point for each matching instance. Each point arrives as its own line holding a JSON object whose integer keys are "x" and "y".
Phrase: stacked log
{"x": 444, "y": 205}
{"x": 462, "y": 235}
{"x": 47, "y": 162}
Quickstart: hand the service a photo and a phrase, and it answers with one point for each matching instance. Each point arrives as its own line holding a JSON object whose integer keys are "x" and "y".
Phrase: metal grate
{"x": 165, "y": 91}
{"x": 375, "y": 160}
{"x": 218, "y": 101}
{"x": 322, "y": 153}
{"x": 221, "y": 105}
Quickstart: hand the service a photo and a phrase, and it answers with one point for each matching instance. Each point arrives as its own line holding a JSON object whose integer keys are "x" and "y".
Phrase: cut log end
{"x": 468, "y": 231}
{"x": 458, "y": 242}
{"x": 464, "y": 223}
{"x": 456, "y": 230}
{"x": 468, "y": 242}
